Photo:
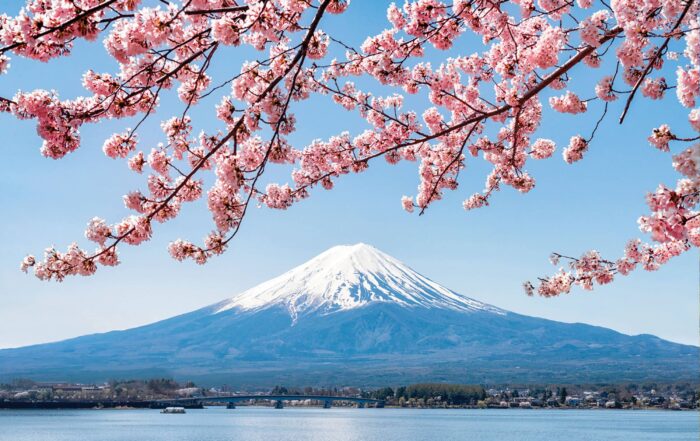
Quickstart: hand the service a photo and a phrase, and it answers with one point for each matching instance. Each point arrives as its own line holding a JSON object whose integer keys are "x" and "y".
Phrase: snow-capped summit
{"x": 346, "y": 277}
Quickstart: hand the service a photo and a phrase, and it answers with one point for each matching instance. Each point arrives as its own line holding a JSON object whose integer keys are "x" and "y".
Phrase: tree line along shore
{"x": 27, "y": 394}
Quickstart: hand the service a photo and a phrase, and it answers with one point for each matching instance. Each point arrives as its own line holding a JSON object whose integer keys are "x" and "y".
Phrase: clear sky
{"x": 485, "y": 254}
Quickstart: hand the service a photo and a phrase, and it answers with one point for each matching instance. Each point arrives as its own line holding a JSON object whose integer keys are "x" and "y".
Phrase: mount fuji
{"x": 355, "y": 315}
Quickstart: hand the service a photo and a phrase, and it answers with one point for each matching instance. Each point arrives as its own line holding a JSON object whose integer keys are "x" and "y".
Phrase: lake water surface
{"x": 348, "y": 424}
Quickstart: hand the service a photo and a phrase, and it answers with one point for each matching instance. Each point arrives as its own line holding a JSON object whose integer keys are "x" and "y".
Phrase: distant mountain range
{"x": 356, "y": 316}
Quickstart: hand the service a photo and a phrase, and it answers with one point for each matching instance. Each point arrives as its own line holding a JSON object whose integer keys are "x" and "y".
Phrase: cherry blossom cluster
{"x": 569, "y": 103}
{"x": 673, "y": 225}
{"x": 46, "y": 29}
{"x": 487, "y": 104}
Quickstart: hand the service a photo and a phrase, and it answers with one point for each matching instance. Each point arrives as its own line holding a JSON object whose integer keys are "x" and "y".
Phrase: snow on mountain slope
{"x": 347, "y": 277}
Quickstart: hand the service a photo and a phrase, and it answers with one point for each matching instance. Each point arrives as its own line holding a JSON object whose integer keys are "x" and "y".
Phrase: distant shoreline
{"x": 149, "y": 405}
{"x": 73, "y": 405}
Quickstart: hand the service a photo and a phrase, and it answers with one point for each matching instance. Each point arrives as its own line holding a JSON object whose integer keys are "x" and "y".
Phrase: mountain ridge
{"x": 354, "y": 315}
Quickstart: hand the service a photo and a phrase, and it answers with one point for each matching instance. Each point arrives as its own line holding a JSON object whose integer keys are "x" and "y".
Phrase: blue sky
{"x": 485, "y": 254}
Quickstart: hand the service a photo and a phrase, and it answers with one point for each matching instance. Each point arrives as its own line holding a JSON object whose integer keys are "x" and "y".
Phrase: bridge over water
{"x": 277, "y": 399}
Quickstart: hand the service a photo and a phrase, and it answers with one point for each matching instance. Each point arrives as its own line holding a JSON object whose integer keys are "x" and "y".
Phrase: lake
{"x": 347, "y": 424}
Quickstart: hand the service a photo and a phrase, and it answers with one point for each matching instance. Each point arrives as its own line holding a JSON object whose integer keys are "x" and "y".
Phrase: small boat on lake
{"x": 173, "y": 410}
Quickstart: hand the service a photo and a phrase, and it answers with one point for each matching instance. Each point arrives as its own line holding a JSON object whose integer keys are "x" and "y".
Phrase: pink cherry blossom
{"x": 136, "y": 162}
{"x": 134, "y": 229}
{"x": 661, "y": 137}
{"x": 475, "y": 201}
{"x": 98, "y": 231}
{"x": 542, "y": 148}
{"x": 158, "y": 161}
{"x": 687, "y": 162}
{"x": 575, "y": 150}
{"x": 654, "y": 88}
{"x": 694, "y": 119}
{"x": 318, "y": 46}
{"x": 688, "y": 85}
{"x": 227, "y": 29}
{"x": 407, "y": 203}
{"x": 119, "y": 145}
{"x": 4, "y": 64}
{"x": 604, "y": 89}
{"x": 569, "y": 103}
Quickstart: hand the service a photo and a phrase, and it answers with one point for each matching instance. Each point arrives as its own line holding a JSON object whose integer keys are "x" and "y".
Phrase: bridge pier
{"x": 327, "y": 404}
{"x": 360, "y": 405}
{"x": 279, "y": 405}
{"x": 230, "y": 405}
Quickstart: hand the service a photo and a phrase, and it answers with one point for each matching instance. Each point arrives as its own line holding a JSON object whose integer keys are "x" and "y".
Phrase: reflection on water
{"x": 347, "y": 424}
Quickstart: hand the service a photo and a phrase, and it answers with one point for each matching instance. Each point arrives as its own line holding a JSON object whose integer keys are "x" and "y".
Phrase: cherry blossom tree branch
{"x": 216, "y": 10}
{"x": 488, "y": 104}
{"x": 61, "y": 27}
{"x": 652, "y": 61}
